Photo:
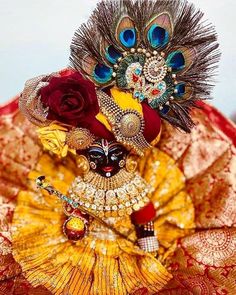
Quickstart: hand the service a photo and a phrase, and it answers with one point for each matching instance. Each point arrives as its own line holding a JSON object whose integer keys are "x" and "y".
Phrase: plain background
{"x": 35, "y": 36}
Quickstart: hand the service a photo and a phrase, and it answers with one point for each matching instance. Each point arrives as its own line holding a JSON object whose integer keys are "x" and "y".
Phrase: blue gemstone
{"x": 141, "y": 97}
{"x": 137, "y": 94}
{"x": 157, "y": 36}
{"x": 112, "y": 55}
{"x": 102, "y": 74}
{"x": 176, "y": 61}
{"x": 165, "y": 109}
{"x": 137, "y": 71}
{"x": 75, "y": 205}
{"x": 181, "y": 89}
{"x": 128, "y": 38}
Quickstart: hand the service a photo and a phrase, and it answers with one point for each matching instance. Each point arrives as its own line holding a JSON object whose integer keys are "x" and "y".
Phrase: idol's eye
{"x": 93, "y": 156}
{"x": 117, "y": 153}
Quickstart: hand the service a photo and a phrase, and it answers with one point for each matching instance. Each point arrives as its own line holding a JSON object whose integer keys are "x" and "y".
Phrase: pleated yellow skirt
{"x": 102, "y": 265}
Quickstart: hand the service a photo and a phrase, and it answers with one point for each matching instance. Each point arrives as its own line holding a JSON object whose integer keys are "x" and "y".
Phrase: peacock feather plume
{"x": 162, "y": 51}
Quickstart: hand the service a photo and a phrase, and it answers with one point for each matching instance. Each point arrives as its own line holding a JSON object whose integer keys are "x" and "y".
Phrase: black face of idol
{"x": 106, "y": 158}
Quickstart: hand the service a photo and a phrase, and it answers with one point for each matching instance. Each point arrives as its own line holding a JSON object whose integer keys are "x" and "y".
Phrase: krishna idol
{"x": 126, "y": 184}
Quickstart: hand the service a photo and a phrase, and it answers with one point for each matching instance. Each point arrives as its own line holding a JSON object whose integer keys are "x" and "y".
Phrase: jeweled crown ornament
{"x": 160, "y": 51}
{"x": 127, "y": 125}
{"x": 133, "y": 62}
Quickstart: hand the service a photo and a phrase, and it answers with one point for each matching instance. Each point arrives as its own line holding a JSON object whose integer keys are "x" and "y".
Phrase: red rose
{"x": 71, "y": 99}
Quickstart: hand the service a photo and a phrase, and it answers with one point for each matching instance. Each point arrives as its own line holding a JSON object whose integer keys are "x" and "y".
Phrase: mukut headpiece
{"x": 160, "y": 51}
{"x": 133, "y": 62}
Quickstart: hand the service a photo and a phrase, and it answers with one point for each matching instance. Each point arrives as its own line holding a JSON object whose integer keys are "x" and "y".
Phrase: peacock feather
{"x": 162, "y": 51}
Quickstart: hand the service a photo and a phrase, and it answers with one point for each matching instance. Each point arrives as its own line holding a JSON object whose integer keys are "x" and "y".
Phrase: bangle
{"x": 148, "y": 244}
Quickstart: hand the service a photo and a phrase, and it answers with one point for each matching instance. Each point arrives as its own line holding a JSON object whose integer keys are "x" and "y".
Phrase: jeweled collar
{"x": 119, "y": 195}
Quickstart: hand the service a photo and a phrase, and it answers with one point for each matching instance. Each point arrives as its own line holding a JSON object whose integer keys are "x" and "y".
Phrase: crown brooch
{"x": 127, "y": 125}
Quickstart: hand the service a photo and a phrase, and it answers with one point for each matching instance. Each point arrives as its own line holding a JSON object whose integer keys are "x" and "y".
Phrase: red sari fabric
{"x": 204, "y": 262}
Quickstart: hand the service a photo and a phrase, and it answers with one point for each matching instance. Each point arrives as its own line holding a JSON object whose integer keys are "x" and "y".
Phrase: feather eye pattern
{"x": 126, "y": 33}
{"x": 161, "y": 51}
{"x": 159, "y": 30}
